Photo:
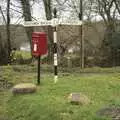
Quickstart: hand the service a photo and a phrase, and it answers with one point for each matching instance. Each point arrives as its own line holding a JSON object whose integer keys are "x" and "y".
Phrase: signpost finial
{"x": 55, "y": 12}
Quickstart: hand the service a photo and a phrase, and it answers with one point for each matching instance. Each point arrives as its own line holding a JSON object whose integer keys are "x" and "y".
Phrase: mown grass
{"x": 50, "y": 102}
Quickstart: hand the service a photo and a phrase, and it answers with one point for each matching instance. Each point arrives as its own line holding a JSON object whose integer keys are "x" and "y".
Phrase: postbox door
{"x": 43, "y": 44}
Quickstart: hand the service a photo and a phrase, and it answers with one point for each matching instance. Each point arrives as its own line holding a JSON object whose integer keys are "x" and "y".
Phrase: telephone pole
{"x": 81, "y": 35}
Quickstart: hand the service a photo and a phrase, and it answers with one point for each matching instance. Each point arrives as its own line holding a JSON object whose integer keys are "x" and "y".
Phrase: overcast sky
{"x": 37, "y": 11}
{"x": 16, "y": 12}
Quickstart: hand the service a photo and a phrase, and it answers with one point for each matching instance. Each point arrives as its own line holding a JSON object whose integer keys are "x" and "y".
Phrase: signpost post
{"x": 54, "y": 23}
{"x": 55, "y": 48}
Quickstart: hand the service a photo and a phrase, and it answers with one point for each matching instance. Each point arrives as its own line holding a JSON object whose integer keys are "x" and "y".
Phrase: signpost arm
{"x": 39, "y": 59}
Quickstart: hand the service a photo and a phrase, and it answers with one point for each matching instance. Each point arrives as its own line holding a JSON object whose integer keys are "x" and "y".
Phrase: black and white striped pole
{"x": 55, "y": 47}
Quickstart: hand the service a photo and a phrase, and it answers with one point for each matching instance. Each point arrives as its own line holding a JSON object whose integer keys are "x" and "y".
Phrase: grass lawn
{"x": 50, "y": 102}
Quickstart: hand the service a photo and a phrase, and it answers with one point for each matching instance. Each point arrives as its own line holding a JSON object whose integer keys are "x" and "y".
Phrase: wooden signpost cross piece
{"x": 54, "y": 23}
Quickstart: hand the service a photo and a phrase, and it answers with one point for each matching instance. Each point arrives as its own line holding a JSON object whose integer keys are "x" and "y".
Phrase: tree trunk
{"x": 8, "y": 31}
{"x": 3, "y": 15}
{"x": 3, "y": 45}
{"x": 27, "y": 17}
{"x": 3, "y": 51}
{"x": 48, "y": 13}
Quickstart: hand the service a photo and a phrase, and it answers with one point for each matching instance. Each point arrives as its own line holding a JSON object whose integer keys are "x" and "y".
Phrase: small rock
{"x": 24, "y": 88}
{"x": 78, "y": 98}
{"x": 112, "y": 112}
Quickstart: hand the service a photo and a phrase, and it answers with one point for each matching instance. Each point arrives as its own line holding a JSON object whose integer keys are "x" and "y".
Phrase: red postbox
{"x": 39, "y": 43}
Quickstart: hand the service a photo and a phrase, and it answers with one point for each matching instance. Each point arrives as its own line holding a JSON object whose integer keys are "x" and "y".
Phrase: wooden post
{"x": 81, "y": 36}
{"x": 39, "y": 59}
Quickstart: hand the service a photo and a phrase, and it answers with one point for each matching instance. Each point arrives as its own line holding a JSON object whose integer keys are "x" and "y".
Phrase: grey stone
{"x": 24, "y": 88}
{"x": 78, "y": 98}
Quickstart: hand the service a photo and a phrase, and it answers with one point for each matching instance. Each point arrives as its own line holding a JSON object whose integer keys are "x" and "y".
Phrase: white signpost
{"x": 54, "y": 23}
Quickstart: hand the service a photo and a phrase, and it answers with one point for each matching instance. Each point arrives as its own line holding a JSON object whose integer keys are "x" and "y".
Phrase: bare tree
{"x": 117, "y": 4}
{"x": 109, "y": 10}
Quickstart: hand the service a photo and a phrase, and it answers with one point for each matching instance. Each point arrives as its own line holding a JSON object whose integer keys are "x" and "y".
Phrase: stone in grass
{"x": 112, "y": 112}
{"x": 78, "y": 99}
{"x": 24, "y": 88}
